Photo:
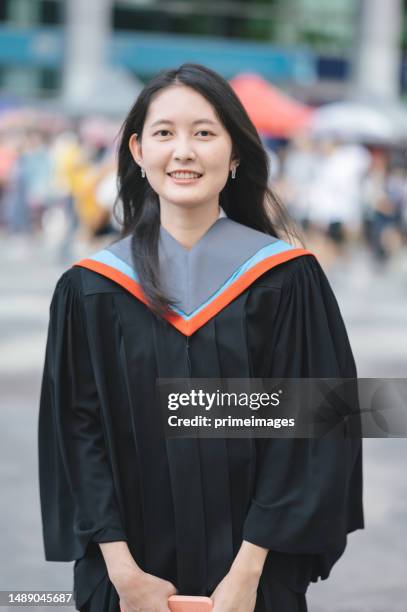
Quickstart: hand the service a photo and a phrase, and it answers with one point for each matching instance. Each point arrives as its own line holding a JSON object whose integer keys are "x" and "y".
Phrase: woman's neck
{"x": 188, "y": 225}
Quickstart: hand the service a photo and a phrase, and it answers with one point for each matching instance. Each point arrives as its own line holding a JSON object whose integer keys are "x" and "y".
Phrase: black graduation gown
{"x": 108, "y": 473}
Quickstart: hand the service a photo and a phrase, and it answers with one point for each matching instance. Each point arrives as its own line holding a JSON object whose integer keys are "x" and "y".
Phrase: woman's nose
{"x": 183, "y": 150}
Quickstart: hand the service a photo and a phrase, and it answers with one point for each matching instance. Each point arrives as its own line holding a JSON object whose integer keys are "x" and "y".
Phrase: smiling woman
{"x": 201, "y": 285}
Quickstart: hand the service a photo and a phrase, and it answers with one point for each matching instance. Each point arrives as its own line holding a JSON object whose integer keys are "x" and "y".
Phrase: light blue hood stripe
{"x": 108, "y": 258}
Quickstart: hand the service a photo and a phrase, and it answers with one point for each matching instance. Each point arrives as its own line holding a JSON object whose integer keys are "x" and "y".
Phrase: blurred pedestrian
{"x": 66, "y": 158}
{"x": 16, "y": 202}
{"x": 384, "y": 193}
{"x": 336, "y": 195}
{"x": 300, "y": 167}
{"x": 8, "y": 154}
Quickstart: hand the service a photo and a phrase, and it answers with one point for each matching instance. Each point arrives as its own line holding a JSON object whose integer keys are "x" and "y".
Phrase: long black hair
{"x": 247, "y": 199}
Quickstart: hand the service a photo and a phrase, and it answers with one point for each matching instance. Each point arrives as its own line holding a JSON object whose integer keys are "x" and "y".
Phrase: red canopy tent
{"x": 272, "y": 112}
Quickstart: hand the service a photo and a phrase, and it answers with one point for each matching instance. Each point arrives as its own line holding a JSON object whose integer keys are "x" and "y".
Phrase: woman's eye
{"x": 205, "y": 132}
{"x": 160, "y": 132}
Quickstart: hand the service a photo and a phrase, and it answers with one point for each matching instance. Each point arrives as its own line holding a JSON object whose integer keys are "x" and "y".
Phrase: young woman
{"x": 200, "y": 285}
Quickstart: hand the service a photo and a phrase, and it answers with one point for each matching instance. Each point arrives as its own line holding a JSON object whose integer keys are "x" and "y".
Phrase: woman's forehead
{"x": 180, "y": 104}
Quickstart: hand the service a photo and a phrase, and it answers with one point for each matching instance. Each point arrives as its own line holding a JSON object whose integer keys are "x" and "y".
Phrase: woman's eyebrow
{"x": 193, "y": 123}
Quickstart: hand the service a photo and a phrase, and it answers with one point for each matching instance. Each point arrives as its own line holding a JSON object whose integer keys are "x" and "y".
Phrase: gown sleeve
{"x": 308, "y": 492}
{"x": 77, "y": 496}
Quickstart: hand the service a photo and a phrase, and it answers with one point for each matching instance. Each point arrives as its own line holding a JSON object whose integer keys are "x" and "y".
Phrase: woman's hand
{"x": 237, "y": 592}
{"x": 139, "y": 591}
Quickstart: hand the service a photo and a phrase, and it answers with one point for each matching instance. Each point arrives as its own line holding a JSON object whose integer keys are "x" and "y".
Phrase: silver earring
{"x": 234, "y": 172}
{"x": 143, "y": 172}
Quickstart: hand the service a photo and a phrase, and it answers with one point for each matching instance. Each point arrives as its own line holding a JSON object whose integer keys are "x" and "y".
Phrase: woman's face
{"x": 183, "y": 133}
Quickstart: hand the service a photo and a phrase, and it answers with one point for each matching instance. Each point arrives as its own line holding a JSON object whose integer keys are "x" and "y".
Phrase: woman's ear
{"x": 234, "y": 162}
{"x": 135, "y": 149}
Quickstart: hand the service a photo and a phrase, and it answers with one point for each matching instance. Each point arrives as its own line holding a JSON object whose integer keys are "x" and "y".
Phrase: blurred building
{"x": 293, "y": 42}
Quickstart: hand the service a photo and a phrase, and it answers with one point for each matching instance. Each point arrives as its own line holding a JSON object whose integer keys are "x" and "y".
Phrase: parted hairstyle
{"x": 247, "y": 199}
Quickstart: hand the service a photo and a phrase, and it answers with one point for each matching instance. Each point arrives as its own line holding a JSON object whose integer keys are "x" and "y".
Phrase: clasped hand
{"x": 237, "y": 592}
{"x": 143, "y": 592}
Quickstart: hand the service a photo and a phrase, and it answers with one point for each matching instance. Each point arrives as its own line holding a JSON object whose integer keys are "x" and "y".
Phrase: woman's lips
{"x": 186, "y": 180}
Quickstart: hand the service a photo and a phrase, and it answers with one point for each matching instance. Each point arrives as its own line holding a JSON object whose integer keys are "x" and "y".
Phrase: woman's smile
{"x": 184, "y": 177}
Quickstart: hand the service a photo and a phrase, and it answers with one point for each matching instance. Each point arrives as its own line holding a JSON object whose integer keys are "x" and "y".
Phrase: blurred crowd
{"x": 342, "y": 194}
{"x": 59, "y": 185}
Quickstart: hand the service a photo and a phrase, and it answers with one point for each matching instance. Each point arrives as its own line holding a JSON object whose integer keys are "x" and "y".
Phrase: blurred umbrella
{"x": 355, "y": 122}
{"x": 397, "y": 112}
{"x": 272, "y": 112}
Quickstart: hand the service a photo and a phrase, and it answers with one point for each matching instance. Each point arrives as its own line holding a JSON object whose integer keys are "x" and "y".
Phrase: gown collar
{"x": 167, "y": 238}
{"x": 204, "y": 279}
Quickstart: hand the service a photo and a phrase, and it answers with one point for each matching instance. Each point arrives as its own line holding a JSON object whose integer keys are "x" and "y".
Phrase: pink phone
{"x": 189, "y": 603}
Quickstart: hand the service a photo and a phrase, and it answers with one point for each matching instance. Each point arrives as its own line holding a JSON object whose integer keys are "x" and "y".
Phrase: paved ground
{"x": 372, "y": 575}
